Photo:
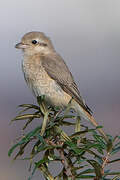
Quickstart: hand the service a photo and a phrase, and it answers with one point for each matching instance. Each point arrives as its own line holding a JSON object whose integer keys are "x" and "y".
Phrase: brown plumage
{"x": 46, "y": 73}
{"x": 56, "y": 68}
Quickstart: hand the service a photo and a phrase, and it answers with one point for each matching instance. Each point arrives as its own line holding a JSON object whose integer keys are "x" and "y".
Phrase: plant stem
{"x": 66, "y": 165}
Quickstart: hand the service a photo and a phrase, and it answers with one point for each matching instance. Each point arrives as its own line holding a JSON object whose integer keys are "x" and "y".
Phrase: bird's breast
{"x": 42, "y": 84}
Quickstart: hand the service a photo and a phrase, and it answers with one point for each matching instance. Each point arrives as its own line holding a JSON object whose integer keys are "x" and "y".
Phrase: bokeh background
{"x": 87, "y": 35}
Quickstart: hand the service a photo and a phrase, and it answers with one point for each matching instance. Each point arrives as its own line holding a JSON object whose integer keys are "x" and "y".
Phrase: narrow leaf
{"x": 25, "y": 116}
{"x": 97, "y": 167}
{"x": 37, "y": 164}
{"x": 29, "y": 106}
{"x": 115, "y": 160}
{"x": 67, "y": 123}
{"x": 87, "y": 171}
{"x": 115, "y": 150}
{"x": 85, "y": 177}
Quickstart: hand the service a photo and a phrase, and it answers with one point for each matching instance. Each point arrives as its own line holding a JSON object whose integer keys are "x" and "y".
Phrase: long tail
{"x": 93, "y": 121}
{"x": 88, "y": 117}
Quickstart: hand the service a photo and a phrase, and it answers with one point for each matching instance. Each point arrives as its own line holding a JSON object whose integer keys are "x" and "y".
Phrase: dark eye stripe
{"x": 43, "y": 44}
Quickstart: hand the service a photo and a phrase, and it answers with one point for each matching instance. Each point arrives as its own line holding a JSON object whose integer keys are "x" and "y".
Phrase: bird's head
{"x": 35, "y": 42}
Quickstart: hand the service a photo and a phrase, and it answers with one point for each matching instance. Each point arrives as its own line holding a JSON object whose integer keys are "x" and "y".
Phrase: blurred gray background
{"x": 87, "y": 35}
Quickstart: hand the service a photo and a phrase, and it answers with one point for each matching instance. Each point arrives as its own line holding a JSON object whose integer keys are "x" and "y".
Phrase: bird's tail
{"x": 83, "y": 113}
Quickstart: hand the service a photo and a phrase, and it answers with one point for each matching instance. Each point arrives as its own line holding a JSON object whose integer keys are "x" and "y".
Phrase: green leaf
{"x": 95, "y": 154}
{"x": 56, "y": 108}
{"x": 35, "y": 132}
{"x": 115, "y": 160}
{"x": 100, "y": 160}
{"x": 35, "y": 147}
{"x": 12, "y": 149}
{"x": 99, "y": 127}
{"x": 99, "y": 149}
{"x": 80, "y": 156}
{"x": 65, "y": 123}
{"x": 85, "y": 177}
{"x": 62, "y": 134}
{"x": 117, "y": 144}
{"x": 115, "y": 150}
{"x": 31, "y": 119}
{"x": 37, "y": 165}
{"x": 116, "y": 178}
{"x": 87, "y": 171}
{"x": 16, "y": 145}
{"x": 42, "y": 148}
{"x": 21, "y": 151}
{"x": 112, "y": 173}
{"x": 79, "y": 133}
{"x": 26, "y": 116}
{"x": 92, "y": 145}
{"x": 74, "y": 148}
{"x": 111, "y": 138}
{"x": 65, "y": 117}
{"x": 40, "y": 138}
{"x": 109, "y": 145}
{"x": 99, "y": 139}
{"x": 97, "y": 167}
{"x": 23, "y": 110}
{"x": 25, "y": 139}
{"x": 27, "y": 123}
{"x": 29, "y": 106}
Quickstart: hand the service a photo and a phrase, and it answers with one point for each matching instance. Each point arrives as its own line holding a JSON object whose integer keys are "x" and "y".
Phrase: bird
{"x": 46, "y": 73}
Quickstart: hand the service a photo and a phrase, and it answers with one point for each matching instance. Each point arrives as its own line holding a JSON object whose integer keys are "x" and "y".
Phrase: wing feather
{"x": 56, "y": 68}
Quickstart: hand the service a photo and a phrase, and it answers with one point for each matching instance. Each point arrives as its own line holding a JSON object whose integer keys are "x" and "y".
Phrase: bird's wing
{"x": 56, "y": 68}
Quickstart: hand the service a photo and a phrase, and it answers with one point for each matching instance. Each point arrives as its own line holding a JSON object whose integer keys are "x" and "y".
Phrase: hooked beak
{"x": 21, "y": 46}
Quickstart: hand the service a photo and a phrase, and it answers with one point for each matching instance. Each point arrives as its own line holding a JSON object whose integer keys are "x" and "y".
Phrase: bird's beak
{"x": 21, "y": 46}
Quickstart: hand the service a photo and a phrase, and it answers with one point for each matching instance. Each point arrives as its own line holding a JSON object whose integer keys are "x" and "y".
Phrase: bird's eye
{"x": 34, "y": 41}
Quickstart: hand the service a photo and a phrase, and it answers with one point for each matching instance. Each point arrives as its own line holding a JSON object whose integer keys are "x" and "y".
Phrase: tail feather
{"x": 86, "y": 115}
{"x": 93, "y": 121}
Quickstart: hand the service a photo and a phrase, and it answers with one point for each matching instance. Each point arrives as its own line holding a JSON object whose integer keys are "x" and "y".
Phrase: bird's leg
{"x": 69, "y": 106}
{"x": 45, "y": 111}
{"x": 77, "y": 125}
{"x": 44, "y": 124}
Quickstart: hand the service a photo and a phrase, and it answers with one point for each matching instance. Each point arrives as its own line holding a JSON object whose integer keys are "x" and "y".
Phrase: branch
{"x": 67, "y": 167}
